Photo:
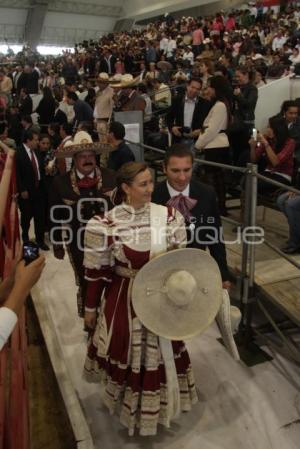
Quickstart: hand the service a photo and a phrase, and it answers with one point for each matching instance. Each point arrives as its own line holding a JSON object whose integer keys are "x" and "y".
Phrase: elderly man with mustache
{"x": 76, "y": 197}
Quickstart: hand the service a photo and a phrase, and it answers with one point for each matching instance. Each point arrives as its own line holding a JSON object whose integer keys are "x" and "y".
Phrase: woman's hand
{"x": 90, "y": 319}
{"x": 252, "y": 142}
{"x": 27, "y": 275}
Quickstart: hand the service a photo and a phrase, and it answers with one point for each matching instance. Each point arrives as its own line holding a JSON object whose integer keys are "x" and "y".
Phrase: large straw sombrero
{"x": 82, "y": 141}
{"x": 177, "y": 295}
{"x": 123, "y": 81}
{"x": 103, "y": 77}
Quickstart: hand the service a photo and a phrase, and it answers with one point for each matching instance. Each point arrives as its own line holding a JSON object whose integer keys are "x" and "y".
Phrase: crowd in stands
{"x": 194, "y": 79}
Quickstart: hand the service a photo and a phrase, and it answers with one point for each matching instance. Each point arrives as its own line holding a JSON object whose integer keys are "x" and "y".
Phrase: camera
{"x": 30, "y": 252}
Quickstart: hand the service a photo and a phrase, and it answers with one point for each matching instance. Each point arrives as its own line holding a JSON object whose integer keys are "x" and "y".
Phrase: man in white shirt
{"x": 188, "y": 55}
{"x": 278, "y": 41}
{"x": 295, "y": 57}
{"x": 163, "y": 44}
{"x": 171, "y": 48}
{"x": 162, "y": 94}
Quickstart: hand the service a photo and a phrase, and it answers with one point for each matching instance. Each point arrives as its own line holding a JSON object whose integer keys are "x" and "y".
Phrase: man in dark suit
{"x": 59, "y": 116}
{"x": 122, "y": 152}
{"x": 84, "y": 184}
{"x": 196, "y": 201}
{"x": 25, "y": 103}
{"x": 83, "y": 111}
{"x": 188, "y": 113}
{"x": 31, "y": 188}
{"x": 29, "y": 79}
{"x": 107, "y": 62}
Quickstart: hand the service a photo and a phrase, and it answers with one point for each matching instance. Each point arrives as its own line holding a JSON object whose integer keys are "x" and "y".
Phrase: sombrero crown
{"x": 82, "y": 141}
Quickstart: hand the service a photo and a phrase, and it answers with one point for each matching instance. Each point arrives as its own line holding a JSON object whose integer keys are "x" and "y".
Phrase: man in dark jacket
{"x": 83, "y": 111}
{"x": 31, "y": 188}
{"x": 69, "y": 71}
{"x": 245, "y": 98}
{"x": 197, "y": 202}
{"x": 122, "y": 153}
{"x": 107, "y": 62}
{"x": 29, "y": 79}
{"x": 188, "y": 113}
{"x": 25, "y": 103}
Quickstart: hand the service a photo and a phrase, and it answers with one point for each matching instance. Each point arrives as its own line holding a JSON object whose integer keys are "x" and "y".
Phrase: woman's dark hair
{"x": 91, "y": 93}
{"x": 281, "y": 132}
{"x": 223, "y": 92}
{"x": 245, "y": 71}
{"x": 47, "y": 93}
{"x": 54, "y": 127}
{"x": 3, "y": 127}
{"x": 127, "y": 173}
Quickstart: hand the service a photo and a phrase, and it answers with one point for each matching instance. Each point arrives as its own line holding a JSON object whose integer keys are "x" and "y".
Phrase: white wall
{"x": 12, "y": 24}
{"x": 59, "y": 28}
{"x": 66, "y": 29}
{"x": 270, "y": 98}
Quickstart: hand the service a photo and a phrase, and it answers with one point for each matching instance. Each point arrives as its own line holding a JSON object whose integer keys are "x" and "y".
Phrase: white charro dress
{"x": 144, "y": 383}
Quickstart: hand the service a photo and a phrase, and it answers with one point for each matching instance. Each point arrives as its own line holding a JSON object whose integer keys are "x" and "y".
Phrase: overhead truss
{"x": 71, "y": 7}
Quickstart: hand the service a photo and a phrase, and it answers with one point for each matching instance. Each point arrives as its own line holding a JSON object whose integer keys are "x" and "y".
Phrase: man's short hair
{"x": 118, "y": 130}
{"x": 287, "y": 105}
{"x": 196, "y": 80}
{"x": 72, "y": 96}
{"x": 29, "y": 134}
{"x": 178, "y": 150}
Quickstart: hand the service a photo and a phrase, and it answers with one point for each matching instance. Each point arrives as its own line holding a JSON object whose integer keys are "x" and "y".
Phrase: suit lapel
{"x": 26, "y": 158}
{"x": 165, "y": 196}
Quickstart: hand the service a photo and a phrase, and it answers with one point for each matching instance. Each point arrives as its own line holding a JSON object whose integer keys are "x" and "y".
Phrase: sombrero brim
{"x": 71, "y": 150}
{"x": 124, "y": 85}
{"x": 155, "y": 310}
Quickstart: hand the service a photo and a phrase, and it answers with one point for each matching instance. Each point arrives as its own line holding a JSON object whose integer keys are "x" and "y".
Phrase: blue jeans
{"x": 291, "y": 208}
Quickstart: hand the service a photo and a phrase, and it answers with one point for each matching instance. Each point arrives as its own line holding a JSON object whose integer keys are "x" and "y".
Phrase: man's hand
{"x": 90, "y": 319}
{"x": 59, "y": 252}
{"x": 25, "y": 195}
{"x": 226, "y": 285}
{"x": 195, "y": 134}
{"x": 175, "y": 131}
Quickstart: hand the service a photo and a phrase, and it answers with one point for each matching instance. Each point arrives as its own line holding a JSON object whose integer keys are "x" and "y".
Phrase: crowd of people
{"x": 195, "y": 82}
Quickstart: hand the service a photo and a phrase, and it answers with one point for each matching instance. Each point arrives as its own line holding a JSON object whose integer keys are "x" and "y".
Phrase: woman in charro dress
{"x": 121, "y": 351}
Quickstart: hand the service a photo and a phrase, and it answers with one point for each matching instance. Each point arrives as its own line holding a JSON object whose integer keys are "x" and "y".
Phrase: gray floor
{"x": 239, "y": 407}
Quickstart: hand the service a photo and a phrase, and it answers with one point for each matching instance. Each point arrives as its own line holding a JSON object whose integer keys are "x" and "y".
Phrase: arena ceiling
{"x": 111, "y": 8}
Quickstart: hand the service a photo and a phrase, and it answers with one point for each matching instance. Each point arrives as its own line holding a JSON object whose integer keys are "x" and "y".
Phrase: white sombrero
{"x": 82, "y": 141}
{"x": 177, "y": 295}
{"x": 123, "y": 81}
